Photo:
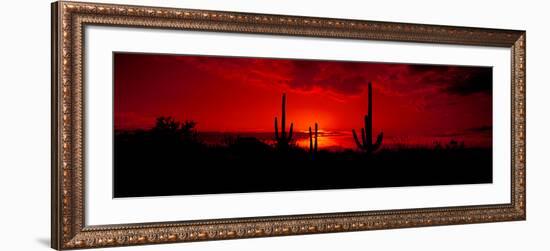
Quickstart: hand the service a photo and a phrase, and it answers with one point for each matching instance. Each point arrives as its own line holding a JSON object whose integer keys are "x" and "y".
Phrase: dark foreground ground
{"x": 159, "y": 165}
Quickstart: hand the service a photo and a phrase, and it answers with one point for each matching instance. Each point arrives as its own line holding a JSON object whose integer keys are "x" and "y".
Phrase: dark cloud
{"x": 481, "y": 129}
{"x": 478, "y": 80}
{"x": 486, "y": 129}
{"x": 353, "y": 84}
{"x": 457, "y": 80}
{"x": 350, "y": 78}
{"x": 347, "y": 78}
{"x": 305, "y": 75}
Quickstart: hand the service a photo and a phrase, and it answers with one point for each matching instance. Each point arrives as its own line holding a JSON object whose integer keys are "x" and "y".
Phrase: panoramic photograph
{"x": 197, "y": 124}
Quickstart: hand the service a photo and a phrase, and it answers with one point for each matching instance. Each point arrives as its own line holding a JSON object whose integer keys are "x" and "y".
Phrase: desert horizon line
{"x": 340, "y": 139}
{"x": 480, "y": 130}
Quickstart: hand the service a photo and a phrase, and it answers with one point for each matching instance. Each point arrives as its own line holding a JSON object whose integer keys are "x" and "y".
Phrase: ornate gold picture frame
{"x": 69, "y": 228}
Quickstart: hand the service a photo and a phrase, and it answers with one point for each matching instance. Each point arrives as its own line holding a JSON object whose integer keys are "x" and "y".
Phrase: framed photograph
{"x": 176, "y": 125}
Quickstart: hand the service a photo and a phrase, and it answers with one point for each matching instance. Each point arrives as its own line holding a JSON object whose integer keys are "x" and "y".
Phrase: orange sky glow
{"x": 236, "y": 94}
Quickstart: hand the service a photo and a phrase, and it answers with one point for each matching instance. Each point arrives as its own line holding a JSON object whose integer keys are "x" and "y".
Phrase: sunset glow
{"x": 183, "y": 120}
{"x": 413, "y": 104}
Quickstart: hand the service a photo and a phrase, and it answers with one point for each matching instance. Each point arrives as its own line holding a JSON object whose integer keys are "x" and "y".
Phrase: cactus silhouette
{"x": 366, "y": 133}
{"x": 312, "y": 145}
{"x": 283, "y": 141}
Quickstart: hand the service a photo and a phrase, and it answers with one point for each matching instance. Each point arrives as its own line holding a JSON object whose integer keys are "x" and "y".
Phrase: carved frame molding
{"x": 68, "y": 226}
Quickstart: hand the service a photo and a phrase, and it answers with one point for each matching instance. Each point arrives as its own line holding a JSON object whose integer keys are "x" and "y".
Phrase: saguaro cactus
{"x": 283, "y": 140}
{"x": 312, "y": 145}
{"x": 366, "y": 133}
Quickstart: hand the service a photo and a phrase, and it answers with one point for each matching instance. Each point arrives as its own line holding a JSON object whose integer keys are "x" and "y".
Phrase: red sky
{"x": 244, "y": 94}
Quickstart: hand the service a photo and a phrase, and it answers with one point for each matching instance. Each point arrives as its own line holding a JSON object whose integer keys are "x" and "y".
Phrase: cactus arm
{"x": 378, "y": 142}
{"x": 316, "y": 127}
{"x": 310, "y": 141}
{"x": 363, "y": 138}
{"x": 290, "y": 132}
{"x": 281, "y": 138}
{"x": 356, "y": 139}
{"x": 368, "y": 131}
{"x": 379, "y": 138}
{"x": 276, "y": 130}
{"x": 283, "y": 117}
{"x": 368, "y": 117}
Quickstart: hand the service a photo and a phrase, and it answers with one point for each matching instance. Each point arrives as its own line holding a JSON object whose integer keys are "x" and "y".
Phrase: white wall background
{"x": 25, "y": 124}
